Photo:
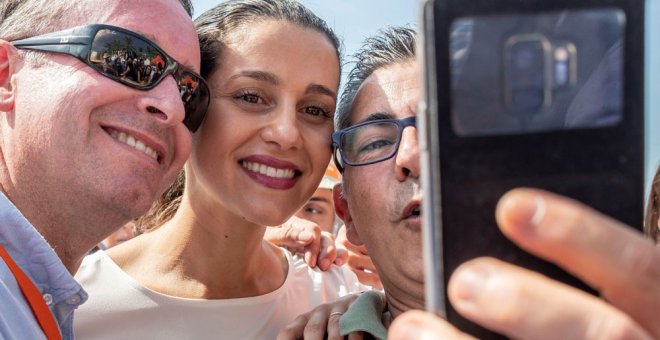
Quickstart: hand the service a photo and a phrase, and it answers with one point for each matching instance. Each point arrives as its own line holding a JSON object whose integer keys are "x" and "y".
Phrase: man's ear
{"x": 8, "y": 60}
{"x": 341, "y": 208}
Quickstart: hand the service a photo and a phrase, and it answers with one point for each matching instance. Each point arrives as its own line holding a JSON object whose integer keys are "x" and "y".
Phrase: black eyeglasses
{"x": 369, "y": 142}
{"x": 127, "y": 58}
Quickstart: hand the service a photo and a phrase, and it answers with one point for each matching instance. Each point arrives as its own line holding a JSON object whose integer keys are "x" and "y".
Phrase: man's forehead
{"x": 164, "y": 22}
{"x": 394, "y": 89}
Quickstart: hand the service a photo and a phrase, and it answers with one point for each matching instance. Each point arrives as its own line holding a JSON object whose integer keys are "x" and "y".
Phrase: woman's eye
{"x": 250, "y": 98}
{"x": 316, "y": 111}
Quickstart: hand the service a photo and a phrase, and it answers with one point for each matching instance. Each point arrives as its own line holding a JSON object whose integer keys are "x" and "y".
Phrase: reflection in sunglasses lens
{"x": 129, "y": 58}
{"x": 136, "y": 62}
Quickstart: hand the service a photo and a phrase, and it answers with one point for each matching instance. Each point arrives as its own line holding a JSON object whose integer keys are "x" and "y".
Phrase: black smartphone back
{"x": 534, "y": 93}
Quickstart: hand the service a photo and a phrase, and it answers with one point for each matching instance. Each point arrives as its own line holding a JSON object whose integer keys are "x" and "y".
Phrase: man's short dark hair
{"x": 390, "y": 46}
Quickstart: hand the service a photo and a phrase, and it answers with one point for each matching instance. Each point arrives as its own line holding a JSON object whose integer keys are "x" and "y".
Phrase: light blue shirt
{"x": 37, "y": 259}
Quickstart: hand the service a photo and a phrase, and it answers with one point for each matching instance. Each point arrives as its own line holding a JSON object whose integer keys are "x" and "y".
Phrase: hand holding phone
{"x": 537, "y": 94}
{"x": 524, "y": 305}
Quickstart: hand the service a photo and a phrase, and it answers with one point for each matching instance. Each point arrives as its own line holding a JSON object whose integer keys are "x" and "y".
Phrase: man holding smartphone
{"x": 83, "y": 151}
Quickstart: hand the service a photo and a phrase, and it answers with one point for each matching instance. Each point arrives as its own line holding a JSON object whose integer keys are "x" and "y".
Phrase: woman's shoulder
{"x": 98, "y": 268}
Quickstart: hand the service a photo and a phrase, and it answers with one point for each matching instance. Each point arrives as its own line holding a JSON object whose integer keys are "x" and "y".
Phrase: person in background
{"x": 310, "y": 232}
{"x": 67, "y": 179}
{"x": 300, "y": 237}
{"x": 203, "y": 269}
{"x": 320, "y": 208}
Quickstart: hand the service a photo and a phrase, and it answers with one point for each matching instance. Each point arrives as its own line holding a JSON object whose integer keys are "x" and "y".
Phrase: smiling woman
{"x": 273, "y": 71}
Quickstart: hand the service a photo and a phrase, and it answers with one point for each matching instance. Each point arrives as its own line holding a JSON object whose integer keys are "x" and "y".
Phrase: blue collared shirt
{"x": 38, "y": 260}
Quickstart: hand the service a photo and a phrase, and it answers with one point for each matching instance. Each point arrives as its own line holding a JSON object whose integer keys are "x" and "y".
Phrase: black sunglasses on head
{"x": 127, "y": 58}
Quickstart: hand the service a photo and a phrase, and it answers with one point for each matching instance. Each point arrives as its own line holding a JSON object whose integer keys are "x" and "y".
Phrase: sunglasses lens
{"x": 133, "y": 60}
{"x": 138, "y": 63}
{"x": 195, "y": 96}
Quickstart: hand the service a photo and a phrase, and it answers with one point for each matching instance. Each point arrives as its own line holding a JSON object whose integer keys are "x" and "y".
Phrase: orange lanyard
{"x": 34, "y": 298}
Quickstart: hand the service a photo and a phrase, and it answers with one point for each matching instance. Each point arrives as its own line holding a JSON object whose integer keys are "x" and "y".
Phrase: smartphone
{"x": 535, "y": 93}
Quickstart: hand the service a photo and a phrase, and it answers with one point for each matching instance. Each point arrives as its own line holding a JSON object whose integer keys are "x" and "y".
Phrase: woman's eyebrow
{"x": 320, "y": 89}
{"x": 257, "y": 75}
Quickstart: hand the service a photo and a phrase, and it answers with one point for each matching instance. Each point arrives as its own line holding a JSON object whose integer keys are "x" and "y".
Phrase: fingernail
{"x": 305, "y": 236}
{"x": 309, "y": 260}
{"x": 325, "y": 263}
{"x": 539, "y": 213}
{"x": 523, "y": 209}
{"x": 468, "y": 285}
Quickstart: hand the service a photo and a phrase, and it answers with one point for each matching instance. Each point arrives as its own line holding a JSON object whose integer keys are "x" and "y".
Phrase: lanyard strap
{"x": 34, "y": 298}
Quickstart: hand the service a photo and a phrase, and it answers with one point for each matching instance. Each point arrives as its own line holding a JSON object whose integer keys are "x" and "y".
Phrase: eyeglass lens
{"x": 370, "y": 143}
{"x": 138, "y": 63}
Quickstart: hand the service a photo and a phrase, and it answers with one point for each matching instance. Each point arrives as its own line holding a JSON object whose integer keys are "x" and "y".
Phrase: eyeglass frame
{"x": 78, "y": 41}
{"x": 401, "y": 124}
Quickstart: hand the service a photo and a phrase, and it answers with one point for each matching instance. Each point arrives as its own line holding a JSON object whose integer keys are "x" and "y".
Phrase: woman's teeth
{"x": 268, "y": 170}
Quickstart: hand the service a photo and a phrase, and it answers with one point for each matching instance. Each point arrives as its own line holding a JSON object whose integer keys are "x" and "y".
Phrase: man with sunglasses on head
{"x": 83, "y": 149}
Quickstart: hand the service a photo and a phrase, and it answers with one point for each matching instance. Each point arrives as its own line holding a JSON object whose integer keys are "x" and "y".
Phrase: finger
{"x": 317, "y": 324}
{"x": 356, "y": 336}
{"x": 421, "y": 325}
{"x": 360, "y": 262}
{"x": 362, "y": 250}
{"x": 299, "y": 235}
{"x": 295, "y": 329}
{"x": 348, "y": 245}
{"x": 333, "y": 326}
{"x": 289, "y": 235}
{"x": 327, "y": 253}
{"x": 342, "y": 256}
{"x": 371, "y": 279}
{"x": 604, "y": 253}
{"x": 367, "y": 278}
{"x": 525, "y": 305}
{"x": 312, "y": 252}
{"x": 299, "y": 230}
{"x": 296, "y": 250}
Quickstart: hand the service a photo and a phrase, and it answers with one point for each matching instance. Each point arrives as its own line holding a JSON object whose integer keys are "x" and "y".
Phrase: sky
{"x": 353, "y": 20}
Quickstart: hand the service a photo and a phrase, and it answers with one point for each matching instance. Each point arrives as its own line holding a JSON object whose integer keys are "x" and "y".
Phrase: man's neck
{"x": 398, "y": 304}
{"x": 70, "y": 257}
{"x": 45, "y": 225}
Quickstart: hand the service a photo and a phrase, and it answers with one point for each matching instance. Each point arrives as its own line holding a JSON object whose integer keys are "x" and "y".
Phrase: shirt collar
{"x": 35, "y": 256}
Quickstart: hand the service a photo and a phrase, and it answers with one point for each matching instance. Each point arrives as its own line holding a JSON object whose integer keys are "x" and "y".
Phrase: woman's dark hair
{"x": 214, "y": 27}
{"x": 216, "y": 24}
